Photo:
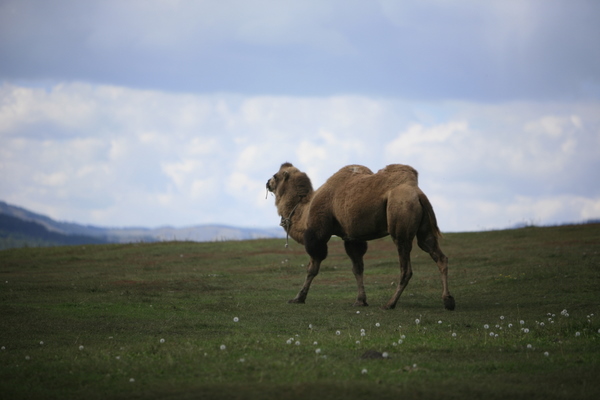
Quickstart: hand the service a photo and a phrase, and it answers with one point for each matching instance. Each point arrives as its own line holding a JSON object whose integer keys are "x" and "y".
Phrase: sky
{"x": 173, "y": 112}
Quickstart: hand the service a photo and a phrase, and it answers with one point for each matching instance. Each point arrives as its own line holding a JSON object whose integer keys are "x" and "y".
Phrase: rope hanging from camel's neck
{"x": 286, "y": 223}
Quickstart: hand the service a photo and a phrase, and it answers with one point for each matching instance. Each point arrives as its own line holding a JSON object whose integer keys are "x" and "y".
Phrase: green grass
{"x": 119, "y": 301}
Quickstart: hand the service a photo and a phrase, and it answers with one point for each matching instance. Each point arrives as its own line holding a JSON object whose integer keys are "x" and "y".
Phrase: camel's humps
{"x": 358, "y": 205}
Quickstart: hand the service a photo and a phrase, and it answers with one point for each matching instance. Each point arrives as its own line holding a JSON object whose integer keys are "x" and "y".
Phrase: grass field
{"x": 211, "y": 320}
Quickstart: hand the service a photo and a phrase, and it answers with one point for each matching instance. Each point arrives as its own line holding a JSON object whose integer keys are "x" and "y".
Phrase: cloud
{"x": 147, "y": 158}
{"x": 430, "y": 50}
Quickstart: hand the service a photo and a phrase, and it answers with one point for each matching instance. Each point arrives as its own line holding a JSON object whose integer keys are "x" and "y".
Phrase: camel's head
{"x": 279, "y": 179}
{"x": 289, "y": 179}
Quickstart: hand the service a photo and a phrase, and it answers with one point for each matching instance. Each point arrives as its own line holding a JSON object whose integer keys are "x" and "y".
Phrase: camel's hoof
{"x": 358, "y": 303}
{"x": 296, "y": 301}
{"x": 388, "y": 307}
{"x": 449, "y": 303}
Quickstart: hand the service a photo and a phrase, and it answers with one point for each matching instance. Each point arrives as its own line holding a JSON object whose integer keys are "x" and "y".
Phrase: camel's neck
{"x": 293, "y": 212}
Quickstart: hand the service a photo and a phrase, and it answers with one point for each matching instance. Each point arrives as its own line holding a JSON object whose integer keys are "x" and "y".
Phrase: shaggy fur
{"x": 358, "y": 205}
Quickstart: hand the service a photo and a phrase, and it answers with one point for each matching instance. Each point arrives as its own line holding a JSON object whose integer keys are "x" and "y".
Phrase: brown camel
{"x": 358, "y": 205}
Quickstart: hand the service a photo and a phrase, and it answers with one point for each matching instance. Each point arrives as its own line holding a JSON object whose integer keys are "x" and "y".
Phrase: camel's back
{"x": 357, "y": 178}
{"x": 356, "y": 198}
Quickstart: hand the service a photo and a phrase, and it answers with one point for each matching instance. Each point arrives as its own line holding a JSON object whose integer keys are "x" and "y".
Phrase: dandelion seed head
{"x": 529, "y": 346}
{"x": 492, "y": 334}
{"x": 131, "y": 380}
{"x": 338, "y": 333}
{"x": 42, "y": 343}
{"x": 4, "y": 348}
{"x": 385, "y": 354}
{"x": 577, "y": 334}
{"x": 236, "y": 319}
{"x": 364, "y": 371}
{"x": 400, "y": 341}
{"x": 377, "y": 324}
{"x": 297, "y": 343}
{"x": 440, "y": 321}
{"x": 453, "y": 334}
{"x": 363, "y": 334}
{"x": 522, "y": 322}
{"x": 223, "y": 347}
{"x": 526, "y": 330}
{"x": 402, "y": 336}
{"x": 289, "y": 341}
{"x": 242, "y": 360}
{"x": 358, "y": 342}
{"x": 486, "y": 326}
{"x": 362, "y": 331}
{"x": 318, "y": 351}
{"x": 546, "y": 353}
{"x": 162, "y": 340}
{"x": 81, "y": 347}
{"x": 502, "y": 317}
{"x": 417, "y": 321}
{"x": 510, "y": 325}
{"x": 358, "y": 312}
{"x": 315, "y": 343}
{"x": 310, "y": 326}
{"x": 27, "y": 358}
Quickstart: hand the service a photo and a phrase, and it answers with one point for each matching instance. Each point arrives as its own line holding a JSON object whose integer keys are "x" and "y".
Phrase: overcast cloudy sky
{"x": 175, "y": 112}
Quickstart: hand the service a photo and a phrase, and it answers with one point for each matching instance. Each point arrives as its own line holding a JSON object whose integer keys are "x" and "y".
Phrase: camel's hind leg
{"x": 428, "y": 241}
{"x": 356, "y": 250}
{"x": 403, "y": 218}
{"x": 317, "y": 250}
{"x": 404, "y": 247}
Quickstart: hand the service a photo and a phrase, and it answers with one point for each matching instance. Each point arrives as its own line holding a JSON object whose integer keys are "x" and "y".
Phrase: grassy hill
{"x": 210, "y": 320}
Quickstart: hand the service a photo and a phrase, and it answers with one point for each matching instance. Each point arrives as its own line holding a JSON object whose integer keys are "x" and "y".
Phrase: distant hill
{"x": 20, "y": 227}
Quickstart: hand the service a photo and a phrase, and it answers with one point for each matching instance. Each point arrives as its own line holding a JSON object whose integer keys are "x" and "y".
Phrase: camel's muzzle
{"x": 269, "y": 187}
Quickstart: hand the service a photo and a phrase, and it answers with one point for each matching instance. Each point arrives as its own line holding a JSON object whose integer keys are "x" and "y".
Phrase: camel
{"x": 357, "y": 205}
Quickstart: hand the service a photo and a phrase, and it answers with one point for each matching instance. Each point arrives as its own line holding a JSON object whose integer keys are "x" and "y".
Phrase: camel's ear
{"x": 286, "y": 175}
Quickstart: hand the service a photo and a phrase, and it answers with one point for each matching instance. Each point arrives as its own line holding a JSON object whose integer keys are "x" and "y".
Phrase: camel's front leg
{"x": 311, "y": 271}
{"x": 317, "y": 250}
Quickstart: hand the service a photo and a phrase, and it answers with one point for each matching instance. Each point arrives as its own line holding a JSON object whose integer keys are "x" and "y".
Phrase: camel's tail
{"x": 429, "y": 220}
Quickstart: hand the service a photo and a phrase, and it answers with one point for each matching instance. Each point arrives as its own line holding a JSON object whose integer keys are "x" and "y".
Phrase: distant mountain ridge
{"x": 20, "y": 227}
